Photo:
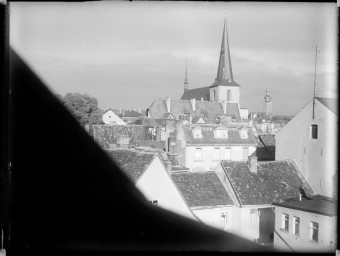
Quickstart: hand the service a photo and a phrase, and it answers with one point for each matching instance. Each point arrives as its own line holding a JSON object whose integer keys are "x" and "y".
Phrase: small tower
{"x": 268, "y": 108}
{"x": 186, "y": 83}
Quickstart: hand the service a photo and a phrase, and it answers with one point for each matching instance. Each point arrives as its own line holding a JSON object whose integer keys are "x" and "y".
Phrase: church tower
{"x": 224, "y": 87}
{"x": 268, "y": 111}
{"x": 186, "y": 83}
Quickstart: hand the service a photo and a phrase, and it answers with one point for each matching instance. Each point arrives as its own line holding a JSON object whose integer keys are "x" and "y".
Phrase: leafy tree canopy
{"x": 83, "y": 107}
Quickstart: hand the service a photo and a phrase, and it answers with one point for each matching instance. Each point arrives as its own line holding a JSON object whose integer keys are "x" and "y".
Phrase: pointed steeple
{"x": 186, "y": 87}
{"x": 224, "y": 72}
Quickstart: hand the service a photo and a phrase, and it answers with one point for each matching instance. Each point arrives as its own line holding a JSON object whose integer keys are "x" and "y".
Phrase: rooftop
{"x": 132, "y": 162}
{"x": 330, "y": 103}
{"x": 202, "y": 189}
{"x": 274, "y": 181}
{"x": 197, "y": 93}
{"x": 314, "y": 204}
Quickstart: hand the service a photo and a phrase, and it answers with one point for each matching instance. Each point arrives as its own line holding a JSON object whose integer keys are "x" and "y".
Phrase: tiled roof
{"x": 109, "y": 134}
{"x": 132, "y": 162}
{"x": 197, "y": 93}
{"x": 202, "y": 189}
{"x": 203, "y": 108}
{"x": 268, "y": 184}
{"x": 152, "y": 144}
{"x": 208, "y": 137}
{"x": 132, "y": 113}
{"x": 267, "y": 139}
{"x": 314, "y": 204}
{"x": 330, "y": 103}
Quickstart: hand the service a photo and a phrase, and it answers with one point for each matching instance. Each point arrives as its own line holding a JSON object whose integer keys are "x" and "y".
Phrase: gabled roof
{"x": 132, "y": 162}
{"x": 314, "y": 204}
{"x": 268, "y": 184}
{"x": 202, "y": 189}
{"x": 197, "y": 93}
{"x": 132, "y": 113}
{"x": 330, "y": 103}
{"x": 202, "y": 108}
{"x": 208, "y": 137}
{"x": 109, "y": 134}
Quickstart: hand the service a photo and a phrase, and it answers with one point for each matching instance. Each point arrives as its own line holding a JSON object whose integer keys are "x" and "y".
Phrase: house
{"x": 206, "y": 197}
{"x": 306, "y": 224}
{"x": 311, "y": 139}
{"x": 201, "y": 147}
{"x": 131, "y": 116}
{"x": 109, "y": 117}
{"x": 148, "y": 172}
{"x": 254, "y": 186}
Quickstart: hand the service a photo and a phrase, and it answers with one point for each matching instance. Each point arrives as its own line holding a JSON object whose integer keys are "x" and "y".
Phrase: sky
{"x": 128, "y": 54}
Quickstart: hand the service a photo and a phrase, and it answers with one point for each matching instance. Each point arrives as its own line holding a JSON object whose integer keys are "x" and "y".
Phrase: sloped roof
{"x": 265, "y": 186}
{"x": 132, "y": 162}
{"x": 197, "y": 93}
{"x": 330, "y": 103}
{"x": 132, "y": 113}
{"x": 208, "y": 137}
{"x": 109, "y": 134}
{"x": 202, "y": 109}
{"x": 314, "y": 204}
{"x": 267, "y": 139}
{"x": 263, "y": 152}
{"x": 202, "y": 189}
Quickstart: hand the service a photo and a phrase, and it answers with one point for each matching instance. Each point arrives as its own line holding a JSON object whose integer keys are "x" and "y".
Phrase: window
{"x": 253, "y": 216}
{"x": 314, "y": 131}
{"x": 314, "y": 231}
{"x": 245, "y": 153}
{"x": 296, "y": 226}
{"x": 285, "y": 222}
{"x": 216, "y": 155}
{"x": 227, "y": 153}
{"x": 198, "y": 154}
{"x": 154, "y": 202}
{"x": 224, "y": 216}
{"x": 215, "y": 96}
{"x": 228, "y": 95}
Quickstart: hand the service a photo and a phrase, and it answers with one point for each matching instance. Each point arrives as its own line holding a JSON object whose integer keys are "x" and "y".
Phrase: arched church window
{"x": 228, "y": 95}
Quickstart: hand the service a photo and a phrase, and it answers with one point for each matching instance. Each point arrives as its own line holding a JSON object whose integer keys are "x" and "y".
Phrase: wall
{"x": 317, "y": 158}
{"x": 302, "y": 243}
{"x": 221, "y": 92}
{"x": 111, "y": 118}
{"x": 208, "y": 163}
{"x": 156, "y": 184}
{"x": 212, "y": 217}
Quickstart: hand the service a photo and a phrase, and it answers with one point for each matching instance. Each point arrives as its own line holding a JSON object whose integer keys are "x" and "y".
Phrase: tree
{"x": 83, "y": 107}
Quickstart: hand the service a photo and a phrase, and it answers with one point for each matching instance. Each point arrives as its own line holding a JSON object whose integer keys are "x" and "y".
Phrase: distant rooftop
{"x": 314, "y": 204}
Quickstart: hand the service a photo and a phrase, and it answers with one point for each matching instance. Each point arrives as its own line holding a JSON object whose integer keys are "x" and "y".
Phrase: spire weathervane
{"x": 186, "y": 87}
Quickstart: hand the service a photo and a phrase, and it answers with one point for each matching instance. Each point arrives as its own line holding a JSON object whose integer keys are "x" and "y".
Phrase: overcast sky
{"x": 127, "y": 54}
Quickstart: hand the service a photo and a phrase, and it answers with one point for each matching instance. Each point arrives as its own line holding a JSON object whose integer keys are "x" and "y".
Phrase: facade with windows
{"x": 207, "y": 145}
{"x": 308, "y": 225}
{"x": 311, "y": 139}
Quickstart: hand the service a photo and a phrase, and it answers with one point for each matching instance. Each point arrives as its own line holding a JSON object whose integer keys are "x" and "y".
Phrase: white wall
{"x": 111, "y": 118}
{"x": 208, "y": 163}
{"x": 317, "y": 158}
{"x": 156, "y": 184}
{"x": 221, "y": 93}
{"x": 302, "y": 243}
{"x": 212, "y": 217}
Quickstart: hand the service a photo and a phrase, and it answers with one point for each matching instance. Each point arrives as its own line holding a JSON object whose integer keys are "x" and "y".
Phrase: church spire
{"x": 186, "y": 87}
{"x": 224, "y": 72}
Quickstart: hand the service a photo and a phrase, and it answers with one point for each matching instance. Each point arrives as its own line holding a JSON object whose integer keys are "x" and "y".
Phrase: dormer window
{"x": 244, "y": 134}
{"x": 197, "y": 133}
{"x": 221, "y": 133}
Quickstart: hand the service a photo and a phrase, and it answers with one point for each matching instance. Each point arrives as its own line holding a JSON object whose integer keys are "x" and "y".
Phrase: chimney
{"x": 168, "y": 101}
{"x": 168, "y": 166}
{"x": 300, "y": 197}
{"x": 252, "y": 162}
{"x": 190, "y": 119}
{"x": 224, "y": 106}
{"x": 193, "y": 104}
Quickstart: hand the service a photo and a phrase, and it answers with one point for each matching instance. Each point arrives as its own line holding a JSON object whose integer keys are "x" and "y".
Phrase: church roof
{"x": 197, "y": 93}
{"x": 206, "y": 109}
{"x": 329, "y": 103}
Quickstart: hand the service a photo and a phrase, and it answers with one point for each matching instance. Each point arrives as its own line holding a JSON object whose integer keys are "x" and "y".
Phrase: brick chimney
{"x": 193, "y": 104}
{"x": 168, "y": 104}
{"x": 252, "y": 163}
{"x": 224, "y": 106}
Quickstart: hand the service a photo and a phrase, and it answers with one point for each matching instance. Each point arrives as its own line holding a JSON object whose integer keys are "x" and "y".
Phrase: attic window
{"x": 314, "y": 131}
{"x": 284, "y": 184}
